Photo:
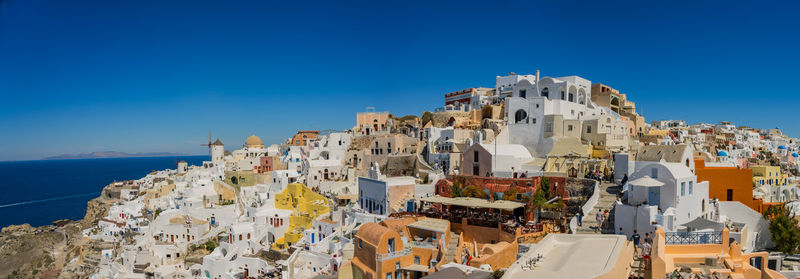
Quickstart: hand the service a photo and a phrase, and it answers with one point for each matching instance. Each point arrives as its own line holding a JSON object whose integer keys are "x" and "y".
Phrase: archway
{"x": 572, "y": 92}
{"x": 520, "y": 116}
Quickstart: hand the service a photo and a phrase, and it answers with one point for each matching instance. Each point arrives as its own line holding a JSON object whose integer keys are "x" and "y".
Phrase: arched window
{"x": 572, "y": 92}
{"x": 581, "y": 96}
{"x": 545, "y": 92}
{"x": 522, "y": 93}
{"x": 520, "y": 116}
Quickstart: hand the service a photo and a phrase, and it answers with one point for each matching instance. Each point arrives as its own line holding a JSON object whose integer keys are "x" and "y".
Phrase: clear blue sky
{"x": 150, "y": 76}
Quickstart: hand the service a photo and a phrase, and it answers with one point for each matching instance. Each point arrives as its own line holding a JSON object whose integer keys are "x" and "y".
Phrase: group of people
{"x": 601, "y": 217}
{"x": 642, "y": 247}
{"x": 599, "y": 176}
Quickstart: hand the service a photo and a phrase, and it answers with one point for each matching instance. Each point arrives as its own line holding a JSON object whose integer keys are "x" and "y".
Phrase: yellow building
{"x": 307, "y": 206}
{"x": 769, "y": 175}
{"x": 254, "y": 142}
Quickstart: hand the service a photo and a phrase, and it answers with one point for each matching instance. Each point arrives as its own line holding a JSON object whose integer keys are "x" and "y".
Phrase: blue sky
{"x": 149, "y": 76}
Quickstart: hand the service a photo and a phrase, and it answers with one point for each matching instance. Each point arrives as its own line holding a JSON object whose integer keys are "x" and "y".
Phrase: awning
{"x": 431, "y": 224}
{"x": 475, "y": 202}
{"x": 646, "y": 181}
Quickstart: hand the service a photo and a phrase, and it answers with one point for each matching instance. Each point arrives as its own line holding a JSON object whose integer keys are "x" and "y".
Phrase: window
{"x": 729, "y": 195}
{"x": 683, "y": 189}
{"x": 520, "y": 116}
{"x": 545, "y": 92}
{"x": 533, "y": 120}
{"x": 548, "y": 127}
{"x": 416, "y": 259}
{"x": 691, "y": 185}
{"x": 360, "y": 243}
{"x": 654, "y": 173}
{"x": 475, "y": 156}
{"x": 569, "y": 128}
{"x": 391, "y": 245}
{"x": 522, "y": 93}
{"x": 588, "y": 129}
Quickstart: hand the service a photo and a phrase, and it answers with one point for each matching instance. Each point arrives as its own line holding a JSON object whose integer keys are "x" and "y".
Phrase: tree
{"x": 545, "y": 187}
{"x": 474, "y": 192}
{"x": 456, "y": 190}
{"x": 783, "y": 227}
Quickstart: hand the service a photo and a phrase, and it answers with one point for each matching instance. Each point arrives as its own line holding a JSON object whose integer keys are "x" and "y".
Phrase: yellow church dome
{"x": 254, "y": 141}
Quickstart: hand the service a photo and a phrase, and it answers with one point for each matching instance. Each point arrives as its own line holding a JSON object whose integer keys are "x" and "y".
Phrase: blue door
{"x": 654, "y": 196}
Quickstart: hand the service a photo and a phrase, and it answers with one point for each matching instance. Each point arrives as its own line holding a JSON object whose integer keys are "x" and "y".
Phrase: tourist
{"x": 580, "y": 217}
{"x": 620, "y": 232}
{"x": 646, "y": 248}
{"x": 636, "y": 238}
{"x": 648, "y": 238}
{"x": 599, "y": 218}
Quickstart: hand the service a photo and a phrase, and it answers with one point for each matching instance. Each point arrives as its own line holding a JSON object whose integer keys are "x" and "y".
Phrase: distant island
{"x": 112, "y": 154}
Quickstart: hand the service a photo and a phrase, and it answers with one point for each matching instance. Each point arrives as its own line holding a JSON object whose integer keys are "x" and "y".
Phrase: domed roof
{"x": 781, "y": 147}
{"x": 722, "y": 153}
{"x": 254, "y": 141}
{"x": 795, "y": 155}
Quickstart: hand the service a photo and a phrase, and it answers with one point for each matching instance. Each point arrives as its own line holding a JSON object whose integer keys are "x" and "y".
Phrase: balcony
{"x": 690, "y": 238}
{"x": 392, "y": 255}
{"x": 424, "y": 244}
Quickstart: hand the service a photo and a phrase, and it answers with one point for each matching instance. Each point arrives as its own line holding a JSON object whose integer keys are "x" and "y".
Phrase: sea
{"x": 40, "y": 192}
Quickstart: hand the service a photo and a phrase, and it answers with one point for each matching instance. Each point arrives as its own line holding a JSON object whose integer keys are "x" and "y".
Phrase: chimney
{"x": 537, "y": 76}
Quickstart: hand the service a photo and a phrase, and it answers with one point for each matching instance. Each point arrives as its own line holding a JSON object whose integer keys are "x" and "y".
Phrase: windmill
{"x": 208, "y": 144}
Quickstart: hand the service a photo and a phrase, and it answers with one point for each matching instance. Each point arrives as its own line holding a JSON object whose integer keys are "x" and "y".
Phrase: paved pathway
{"x": 608, "y": 195}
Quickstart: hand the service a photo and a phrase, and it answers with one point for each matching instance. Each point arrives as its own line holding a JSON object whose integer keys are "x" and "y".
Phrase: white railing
{"x": 392, "y": 255}
{"x": 587, "y": 207}
{"x": 424, "y": 244}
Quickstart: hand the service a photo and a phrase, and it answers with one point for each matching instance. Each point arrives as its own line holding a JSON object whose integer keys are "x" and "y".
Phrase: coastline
{"x": 56, "y": 250}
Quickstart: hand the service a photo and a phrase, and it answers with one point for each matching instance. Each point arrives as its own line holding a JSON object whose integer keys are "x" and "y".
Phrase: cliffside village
{"x": 535, "y": 177}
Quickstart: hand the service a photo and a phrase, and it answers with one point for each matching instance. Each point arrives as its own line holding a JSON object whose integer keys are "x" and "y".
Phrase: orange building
{"x": 728, "y": 184}
{"x": 406, "y": 248}
{"x": 303, "y": 137}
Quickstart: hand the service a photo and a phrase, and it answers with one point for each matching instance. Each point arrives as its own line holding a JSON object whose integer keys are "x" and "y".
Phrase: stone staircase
{"x": 608, "y": 195}
{"x": 452, "y": 247}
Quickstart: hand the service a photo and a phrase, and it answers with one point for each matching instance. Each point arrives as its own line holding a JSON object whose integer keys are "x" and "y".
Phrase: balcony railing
{"x": 424, "y": 244}
{"x": 688, "y": 238}
{"x": 392, "y": 255}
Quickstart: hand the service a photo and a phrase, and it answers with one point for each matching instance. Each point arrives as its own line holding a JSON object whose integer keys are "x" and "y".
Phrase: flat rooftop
{"x": 570, "y": 256}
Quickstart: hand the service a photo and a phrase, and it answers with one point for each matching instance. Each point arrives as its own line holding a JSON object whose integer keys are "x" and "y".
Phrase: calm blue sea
{"x": 40, "y": 192}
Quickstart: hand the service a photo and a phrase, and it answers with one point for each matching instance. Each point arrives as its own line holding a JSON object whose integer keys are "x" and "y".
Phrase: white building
{"x": 661, "y": 194}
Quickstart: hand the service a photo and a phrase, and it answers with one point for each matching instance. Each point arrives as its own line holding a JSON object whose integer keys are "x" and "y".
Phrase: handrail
{"x": 688, "y": 238}
{"x": 392, "y": 255}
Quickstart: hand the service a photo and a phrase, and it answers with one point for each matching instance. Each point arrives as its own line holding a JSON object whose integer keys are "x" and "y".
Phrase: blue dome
{"x": 722, "y": 153}
{"x": 795, "y": 155}
{"x": 781, "y": 147}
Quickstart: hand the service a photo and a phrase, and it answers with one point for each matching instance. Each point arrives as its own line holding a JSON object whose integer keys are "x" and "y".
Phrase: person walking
{"x": 646, "y": 249}
{"x": 580, "y": 217}
{"x": 599, "y": 218}
{"x": 636, "y": 238}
